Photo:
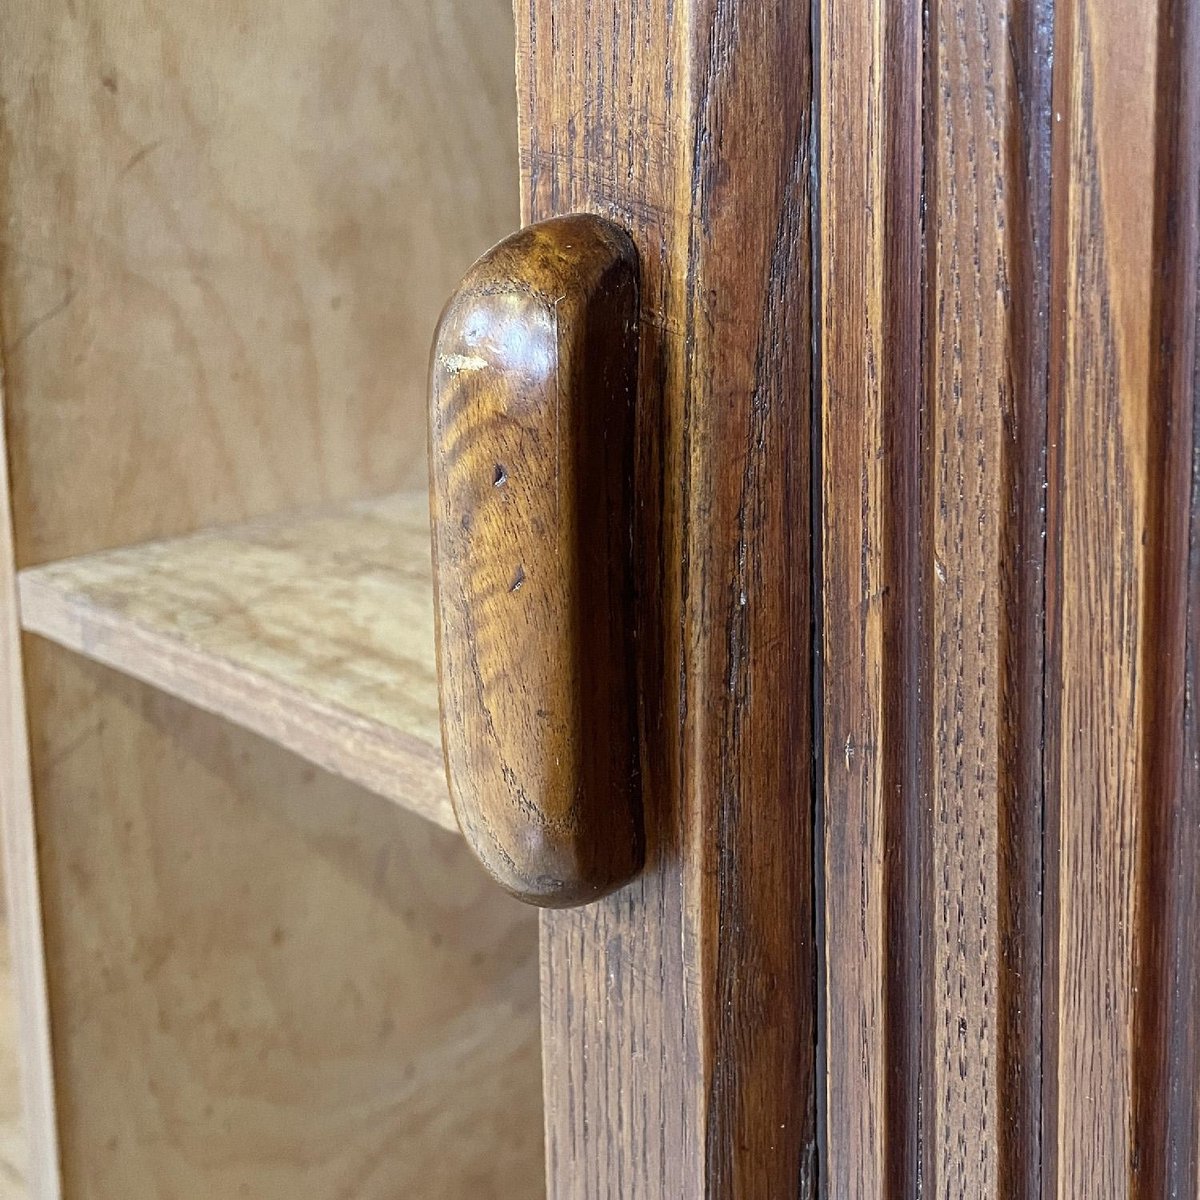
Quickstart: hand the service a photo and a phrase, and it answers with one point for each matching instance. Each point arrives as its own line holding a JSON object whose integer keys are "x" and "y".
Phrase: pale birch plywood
{"x": 226, "y": 230}
{"x": 281, "y": 987}
{"x": 315, "y": 631}
{"x": 31, "y": 1049}
{"x": 14, "y": 1146}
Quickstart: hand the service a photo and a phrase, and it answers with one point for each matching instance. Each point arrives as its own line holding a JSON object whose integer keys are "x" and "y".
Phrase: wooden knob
{"x": 533, "y": 393}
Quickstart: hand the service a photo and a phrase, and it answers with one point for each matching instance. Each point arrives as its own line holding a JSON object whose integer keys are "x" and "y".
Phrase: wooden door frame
{"x": 679, "y": 1015}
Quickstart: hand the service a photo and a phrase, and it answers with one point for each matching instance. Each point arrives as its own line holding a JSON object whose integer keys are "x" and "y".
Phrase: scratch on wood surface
{"x": 456, "y": 363}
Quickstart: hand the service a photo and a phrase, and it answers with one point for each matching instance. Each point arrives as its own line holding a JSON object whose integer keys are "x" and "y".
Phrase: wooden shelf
{"x": 315, "y": 631}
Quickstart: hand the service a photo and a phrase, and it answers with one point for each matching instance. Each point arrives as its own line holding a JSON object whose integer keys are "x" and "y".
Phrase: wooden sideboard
{"x": 914, "y": 601}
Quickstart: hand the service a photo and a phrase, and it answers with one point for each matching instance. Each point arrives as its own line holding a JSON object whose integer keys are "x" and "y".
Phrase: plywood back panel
{"x": 228, "y": 229}
{"x": 263, "y": 981}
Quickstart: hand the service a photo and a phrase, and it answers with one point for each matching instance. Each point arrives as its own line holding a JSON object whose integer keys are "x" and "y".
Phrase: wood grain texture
{"x": 14, "y": 1141}
{"x": 227, "y": 232}
{"x": 678, "y": 1018}
{"x": 315, "y": 631}
{"x": 1122, "y": 1105}
{"x": 870, "y": 306}
{"x": 23, "y": 924}
{"x": 532, "y": 404}
{"x": 231, "y": 227}
{"x": 987, "y": 234}
{"x": 934, "y": 230}
{"x": 277, "y": 985}
{"x": 1096, "y": 733}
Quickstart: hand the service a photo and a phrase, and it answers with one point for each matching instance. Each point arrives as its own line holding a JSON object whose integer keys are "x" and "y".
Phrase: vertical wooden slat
{"x": 1123, "y": 1005}
{"x": 870, "y": 96}
{"x": 933, "y": 432}
{"x": 987, "y": 126}
{"x": 1024, "y": 50}
{"x": 1166, "y": 1086}
{"x": 678, "y": 1015}
{"x": 1101, "y": 441}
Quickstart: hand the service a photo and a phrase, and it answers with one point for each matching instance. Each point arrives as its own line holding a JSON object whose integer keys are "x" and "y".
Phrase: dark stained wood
{"x": 1010, "y": 795}
{"x": 1122, "y": 1001}
{"x": 870, "y": 353}
{"x": 987, "y": 231}
{"x": 1011, "y": 806}
{"x": 1097, "y": 558}
{"x": 1166, "y": 1087}
{"x": 932, "y": 467}
{"x": 534, "y": 382}
{"x": 678, "y": 1014}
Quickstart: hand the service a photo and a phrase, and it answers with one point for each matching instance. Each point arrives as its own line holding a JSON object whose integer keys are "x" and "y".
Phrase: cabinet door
{"x": 918, "y": 614}
{"x": 1009, "y": 803}
{"x": 678, "y": 1015}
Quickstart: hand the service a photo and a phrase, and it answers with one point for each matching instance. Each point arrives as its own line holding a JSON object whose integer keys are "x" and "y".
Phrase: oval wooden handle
{"x": 533, "y": 392}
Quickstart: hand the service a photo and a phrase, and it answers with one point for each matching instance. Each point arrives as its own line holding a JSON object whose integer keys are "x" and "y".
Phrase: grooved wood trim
{"x": 933, "y": 224}
{"x": 987, "y": 130}
{"x": 871, "y": 325}
{"x": 678, "y": 1014}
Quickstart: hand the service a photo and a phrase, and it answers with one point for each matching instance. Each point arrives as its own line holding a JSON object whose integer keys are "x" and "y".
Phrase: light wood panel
{"x": 23, "y": 918}
{"x": 314, "y": 630}
{"x": 934, "y": 233}
{"x": 264, "y": 982}
{"x": 679, "y": 1022}
{"x": 229, "y": 227}
{"x": 14, "y": 1141}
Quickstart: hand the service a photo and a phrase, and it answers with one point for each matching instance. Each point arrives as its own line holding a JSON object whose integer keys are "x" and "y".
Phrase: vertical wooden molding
{"x": 1166, "y": 1086}
{"x": 1124, "y": 999}
{"x": 1123, "y": 1003}
{"x": 870, "y": 352}
{"x": 987, "y": 222}
{"x": 21, "y": 881}
{"x": 678, "y": 1030}
{"x": 934, "y": 226}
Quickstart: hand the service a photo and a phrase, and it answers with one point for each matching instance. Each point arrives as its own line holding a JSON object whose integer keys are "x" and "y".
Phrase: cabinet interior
{"x": 272, "y": 969}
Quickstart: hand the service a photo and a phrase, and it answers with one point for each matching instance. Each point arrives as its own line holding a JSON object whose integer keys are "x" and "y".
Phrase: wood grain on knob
{"x": 533, "y": 392}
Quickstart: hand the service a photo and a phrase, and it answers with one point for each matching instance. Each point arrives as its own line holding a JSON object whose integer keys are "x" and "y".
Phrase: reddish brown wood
{"x": 1166, "y": 1090}
{"x": 933, "y": 236}
{"x": 533, "y": 391}
{"x": 1012, "y": 1001}
{"x": 1123, "y": 1002}
{"x": 678, "y": 1018}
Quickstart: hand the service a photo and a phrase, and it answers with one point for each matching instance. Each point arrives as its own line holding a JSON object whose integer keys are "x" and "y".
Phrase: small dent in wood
{"x": 518, "y": 580}
{"x": 500, "y": 478}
